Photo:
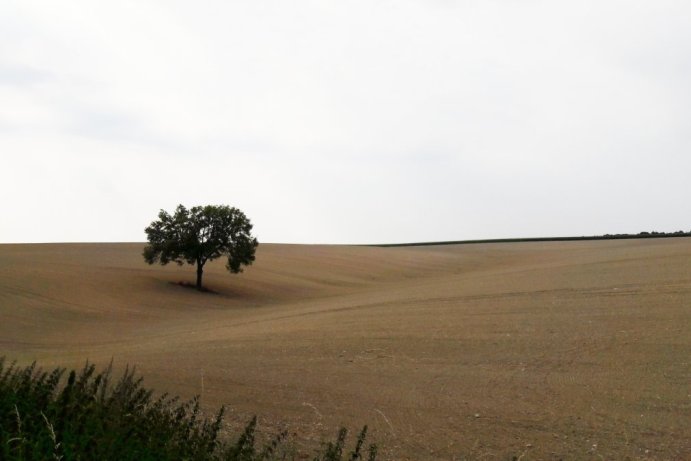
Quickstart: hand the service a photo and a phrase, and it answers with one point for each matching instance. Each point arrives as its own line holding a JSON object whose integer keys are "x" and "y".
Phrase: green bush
{"x": 85, "y": 417}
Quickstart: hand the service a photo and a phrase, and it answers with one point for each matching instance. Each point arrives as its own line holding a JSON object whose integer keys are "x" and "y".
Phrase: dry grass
{"x": 573, "y": 349}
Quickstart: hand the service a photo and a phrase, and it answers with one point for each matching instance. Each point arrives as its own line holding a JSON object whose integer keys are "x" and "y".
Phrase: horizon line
{"x": 640, "y": 235}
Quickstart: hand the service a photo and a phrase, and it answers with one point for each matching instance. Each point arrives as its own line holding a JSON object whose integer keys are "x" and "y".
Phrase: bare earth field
{"x": 573, "y": 350}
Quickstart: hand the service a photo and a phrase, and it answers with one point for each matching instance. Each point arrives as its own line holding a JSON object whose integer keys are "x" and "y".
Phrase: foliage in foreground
{"x": 44, "y": 417}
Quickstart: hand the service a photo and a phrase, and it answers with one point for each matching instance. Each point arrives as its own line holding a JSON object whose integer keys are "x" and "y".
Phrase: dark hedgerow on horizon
{"x": 640, "y": 235}
{"x": 86, "y": 417}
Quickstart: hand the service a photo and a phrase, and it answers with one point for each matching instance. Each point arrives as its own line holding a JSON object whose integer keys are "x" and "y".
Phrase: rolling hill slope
{"x": 574, "y": 348}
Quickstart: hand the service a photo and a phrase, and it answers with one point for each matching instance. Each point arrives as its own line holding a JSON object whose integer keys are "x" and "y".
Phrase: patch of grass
{"x": 87, "y": 417}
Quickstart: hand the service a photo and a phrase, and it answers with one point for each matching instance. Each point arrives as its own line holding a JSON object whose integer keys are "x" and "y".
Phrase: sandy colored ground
{"x": 580, "y": 350}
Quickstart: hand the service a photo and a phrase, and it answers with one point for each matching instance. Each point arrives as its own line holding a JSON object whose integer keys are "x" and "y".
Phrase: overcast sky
{"x": 346, "y": 121}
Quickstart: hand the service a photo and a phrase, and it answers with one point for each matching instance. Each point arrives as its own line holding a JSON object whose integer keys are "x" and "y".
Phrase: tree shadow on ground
{"x": 194, "y": 287}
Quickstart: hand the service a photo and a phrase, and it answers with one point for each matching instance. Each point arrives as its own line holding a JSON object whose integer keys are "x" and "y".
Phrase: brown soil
{"x": 574, "y": 350}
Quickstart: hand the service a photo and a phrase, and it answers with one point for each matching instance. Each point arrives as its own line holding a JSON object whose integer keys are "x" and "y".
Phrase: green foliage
{"x": 87, "y": 418}
{"x": 201, "y": 234}
{"x": 334, "y": 450}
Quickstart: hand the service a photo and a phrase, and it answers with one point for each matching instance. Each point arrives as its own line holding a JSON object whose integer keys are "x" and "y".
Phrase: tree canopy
{"x": 201, "y": 234}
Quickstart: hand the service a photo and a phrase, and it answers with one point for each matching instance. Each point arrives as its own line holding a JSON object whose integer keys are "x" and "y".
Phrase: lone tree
{"x": 201, "y": 234}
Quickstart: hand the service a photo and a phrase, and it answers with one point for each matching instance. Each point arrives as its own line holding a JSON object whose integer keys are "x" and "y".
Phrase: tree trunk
{"x": 200, "y": 270}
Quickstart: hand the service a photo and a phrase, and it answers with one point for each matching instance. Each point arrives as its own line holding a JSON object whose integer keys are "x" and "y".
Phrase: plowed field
{"x": 574, "y": 350}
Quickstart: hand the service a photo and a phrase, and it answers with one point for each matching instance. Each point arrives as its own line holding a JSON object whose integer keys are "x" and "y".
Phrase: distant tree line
{"x": 645, "y": 234}
{"x": 640, "y": 235}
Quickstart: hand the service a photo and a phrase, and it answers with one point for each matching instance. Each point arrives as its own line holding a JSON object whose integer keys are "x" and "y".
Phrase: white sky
{"x": 346, "y": 122}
